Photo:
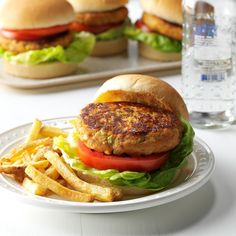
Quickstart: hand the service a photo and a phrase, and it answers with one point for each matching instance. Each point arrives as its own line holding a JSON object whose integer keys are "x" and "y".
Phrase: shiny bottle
{"x": 208, "y": 64}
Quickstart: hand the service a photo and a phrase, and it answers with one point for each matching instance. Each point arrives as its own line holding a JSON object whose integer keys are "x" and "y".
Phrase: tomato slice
{"x": 34, "y": 34}
{"x": 140, "y": 25}
{"x": 92, "y": 29}
{"x": 101, "y": 161}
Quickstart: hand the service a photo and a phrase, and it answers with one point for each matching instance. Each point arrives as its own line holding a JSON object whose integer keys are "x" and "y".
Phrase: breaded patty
{"x": 161, "y": 26}
{"x": 128, "y": 128}
{"x": 103, "y": 18}
{"x": 18, "y": 46}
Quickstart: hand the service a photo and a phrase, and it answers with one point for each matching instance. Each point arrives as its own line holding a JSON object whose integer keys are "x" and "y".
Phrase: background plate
{"x": 193, "y": 176}
{"x": 95, "y": 68}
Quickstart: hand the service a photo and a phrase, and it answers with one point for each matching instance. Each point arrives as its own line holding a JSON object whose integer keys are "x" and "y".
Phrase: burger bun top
{"x": 96, "y": 6}
{"x": 28, "y": 14}
{"x": 142, "y": 89}
{"x": 169, "y": 10}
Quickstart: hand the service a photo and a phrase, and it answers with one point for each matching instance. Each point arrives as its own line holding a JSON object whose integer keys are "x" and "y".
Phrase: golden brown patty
{"x": 155, "y": 23}
{"x": 18, "y": 46}
{"x": 128, "y": 128}
{"x": 103, "y": 18}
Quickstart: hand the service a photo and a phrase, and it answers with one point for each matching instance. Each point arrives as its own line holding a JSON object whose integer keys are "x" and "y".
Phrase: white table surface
{"x": 211, "y": 210}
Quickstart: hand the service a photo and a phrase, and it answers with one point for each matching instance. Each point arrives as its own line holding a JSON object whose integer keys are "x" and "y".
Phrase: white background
{"x": 209, "y": 211}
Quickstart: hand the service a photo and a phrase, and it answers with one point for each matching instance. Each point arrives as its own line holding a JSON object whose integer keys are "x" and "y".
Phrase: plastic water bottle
{"x": 208, "y": 63}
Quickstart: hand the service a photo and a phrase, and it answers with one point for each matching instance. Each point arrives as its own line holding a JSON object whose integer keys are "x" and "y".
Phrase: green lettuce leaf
{"x": 156, "y": 180}
{"x": 113, "y": 33}
{"x": 154, "y": 40}
{"x": 76, "y": 52}
{"x": 1, "y": 51}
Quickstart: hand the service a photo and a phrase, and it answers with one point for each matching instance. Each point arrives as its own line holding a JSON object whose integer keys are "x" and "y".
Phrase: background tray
{"x": 95, "y": 68}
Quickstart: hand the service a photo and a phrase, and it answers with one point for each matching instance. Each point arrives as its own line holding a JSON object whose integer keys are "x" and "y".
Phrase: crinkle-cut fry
{"x": 34, "y": 131}
{"x": 105, "y": 194}
{"x": 50, "y": 131}
{"x": 33, "y": 187}
{"x": 52, "y": 173}
{"x": 15, "y": 153}
{"x": 55, "y": 187}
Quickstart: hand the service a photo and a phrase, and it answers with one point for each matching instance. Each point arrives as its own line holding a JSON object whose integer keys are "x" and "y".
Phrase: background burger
{"x": 106, "y": 19}
{"x": 36, "y": 41}
{"x": 159, "y": 31}
{"x": 135, "y": 135}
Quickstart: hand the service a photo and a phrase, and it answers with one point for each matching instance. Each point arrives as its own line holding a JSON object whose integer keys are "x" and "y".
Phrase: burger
{"x": 36, "y": 41}
{"x": 135, "y": 135}
{"x": 106, "y": 19}
{"x": 159, "y": 31}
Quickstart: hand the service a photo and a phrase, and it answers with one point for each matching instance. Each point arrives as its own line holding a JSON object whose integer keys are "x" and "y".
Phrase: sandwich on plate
{"x": 159, "y": 31}
{"x": 135, "y": 135}
{"x": 36, "y": 41}
{"x": 107, "y": 20}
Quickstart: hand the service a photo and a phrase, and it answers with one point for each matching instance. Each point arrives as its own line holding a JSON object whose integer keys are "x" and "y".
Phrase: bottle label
{"x": 213, "y": 70}
{"x": 207, "y": 30}
{"x": 212, "y": 55}
{"x": 213, "y": 77}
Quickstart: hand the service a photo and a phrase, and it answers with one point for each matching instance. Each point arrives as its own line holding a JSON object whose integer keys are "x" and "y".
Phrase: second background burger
{"x": 107, "y": 20}
{"x": 159, "y": 31}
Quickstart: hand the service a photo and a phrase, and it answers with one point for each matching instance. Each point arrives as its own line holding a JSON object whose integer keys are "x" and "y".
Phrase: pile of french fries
{"x": 42, "y": 171}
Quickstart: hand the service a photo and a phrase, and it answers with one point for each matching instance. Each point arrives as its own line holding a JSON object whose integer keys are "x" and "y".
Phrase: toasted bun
{"x": 28, "y": 14}
{"x": 96, "y": 6}
{"x": 150, "y": 53}
{"x": 110, "y": 47}
{"x": 142, "y": 89}
{"x": 169, "y": 10}
{"x": 41, "y": 71}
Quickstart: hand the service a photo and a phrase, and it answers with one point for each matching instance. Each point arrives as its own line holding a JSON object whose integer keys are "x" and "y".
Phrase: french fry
{"x": 38, "y": 155}
{"x": 9, "y": 169}
{"x": 49, "y": 131}
{"x": 16, "y": 153}
{"x": 55, "y": 187}
{"x": 62, "y": 182}
{"x": 52, "y": 173}
{"x": 40, "y": 164}
{"x": 42, "y": 171}
{"x": 104, "y": 194}
{"x": 33, "y": 187}
{"x": 17, "y": 172}
{"x": 26, "y": 157}
{"x": 34, "y": 131}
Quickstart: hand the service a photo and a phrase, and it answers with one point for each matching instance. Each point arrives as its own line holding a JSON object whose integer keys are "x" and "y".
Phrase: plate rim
{"x": 154, "y": 199}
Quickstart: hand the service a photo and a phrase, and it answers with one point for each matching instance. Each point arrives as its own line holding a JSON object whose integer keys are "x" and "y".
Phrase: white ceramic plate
{"x": 193, "y": 176}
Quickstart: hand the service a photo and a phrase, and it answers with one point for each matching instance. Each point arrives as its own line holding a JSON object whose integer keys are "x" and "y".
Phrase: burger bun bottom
{"x": 41, "y": 71}
{"x": 110, "y": 47}
{"x": 150, "y": 53}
